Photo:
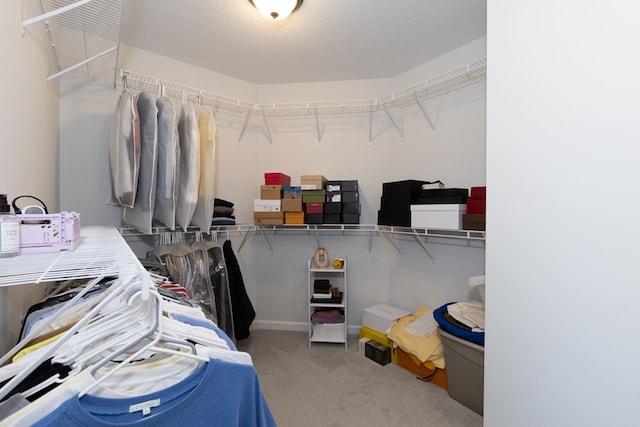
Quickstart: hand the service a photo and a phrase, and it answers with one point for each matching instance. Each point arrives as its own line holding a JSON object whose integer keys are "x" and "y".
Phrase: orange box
{"x": 294, "y": 217}
{"x": 423, "y": 370}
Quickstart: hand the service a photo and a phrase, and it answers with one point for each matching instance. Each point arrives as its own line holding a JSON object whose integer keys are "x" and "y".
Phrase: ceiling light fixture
{"x": 276, "y": 9}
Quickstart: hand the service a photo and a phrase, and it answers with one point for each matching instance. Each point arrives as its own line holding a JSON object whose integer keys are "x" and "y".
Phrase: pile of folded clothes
{"x": 223, "y": 213}
{"x": 463, "y": 319}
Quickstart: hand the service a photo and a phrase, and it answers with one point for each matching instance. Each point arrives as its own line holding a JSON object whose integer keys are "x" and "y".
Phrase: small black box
{"x": 332, "y": 208}
{"x": 352, "y": 208}
{"x": 349, "y": 218}
{"x": 332, "y": 218}
{"x": 377, "y": 352}
{"x": 350, "y": 197}
{"x": 333, "y": 186}
{"x": 350, "y": 185}
{"x": 315, "y": 218}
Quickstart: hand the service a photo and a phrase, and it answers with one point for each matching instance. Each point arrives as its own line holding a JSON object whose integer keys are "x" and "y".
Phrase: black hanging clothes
{"x": 243, "y": 312}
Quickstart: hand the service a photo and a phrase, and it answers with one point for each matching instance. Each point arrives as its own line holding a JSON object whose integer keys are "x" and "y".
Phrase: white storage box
{"x": 437, "y": 216}
{"x": 266, "y": 205}
{"x": 381, "y": 317}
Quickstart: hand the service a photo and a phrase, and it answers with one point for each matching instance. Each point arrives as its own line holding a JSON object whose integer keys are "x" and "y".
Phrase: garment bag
{"x": 189, "y": 269}
{"x": 140, "y": 216}
{"x": 219, "y": 279}
{"x": 124, "y": 150}
{"x": 168, "y": 169}
{"x": 206, "y": 194}
{"x": 189, "y": 180}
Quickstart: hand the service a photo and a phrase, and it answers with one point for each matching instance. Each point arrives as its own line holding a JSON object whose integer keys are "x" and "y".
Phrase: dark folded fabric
{"x": 222, "y": 202}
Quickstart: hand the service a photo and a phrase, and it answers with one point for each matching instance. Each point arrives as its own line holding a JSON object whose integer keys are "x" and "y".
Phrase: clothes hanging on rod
{"x": 168, "y": 163}
{"x": 124, "y": 150}
{"x": 189, "y": 176}
{"x": 129, "y": 351}
{"x": 140, "y": 215}
{"x": 203, "y": 214}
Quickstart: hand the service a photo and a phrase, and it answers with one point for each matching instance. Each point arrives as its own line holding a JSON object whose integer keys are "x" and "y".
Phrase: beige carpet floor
{"x": 326, "y": 385}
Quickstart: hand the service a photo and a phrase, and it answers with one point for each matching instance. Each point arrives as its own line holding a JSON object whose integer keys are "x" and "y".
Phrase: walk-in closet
{"x": 534, "y": 102}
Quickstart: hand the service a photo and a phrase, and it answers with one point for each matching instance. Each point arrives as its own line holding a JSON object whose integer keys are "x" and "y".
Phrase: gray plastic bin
{"x": 465, "y": 370}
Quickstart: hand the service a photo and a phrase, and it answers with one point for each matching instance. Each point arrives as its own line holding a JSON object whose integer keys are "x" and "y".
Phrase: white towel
{"x": 471, "y": 314}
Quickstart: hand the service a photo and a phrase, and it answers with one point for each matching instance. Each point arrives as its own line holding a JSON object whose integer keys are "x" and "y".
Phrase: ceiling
{"x": 324, "y": 40}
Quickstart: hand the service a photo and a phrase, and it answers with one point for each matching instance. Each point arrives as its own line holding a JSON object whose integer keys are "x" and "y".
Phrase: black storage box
{"x": 332, "y": 208}
{"x": 331, "y": 218}
{"x": 395, "y": 218}
{"x": 349, "y": 218}
{"x": 446, "y": 192}
{"x": 313, "y": 218}
{"x": 445, "y": 200}
{"x": 401, "y": 193}
{"x": 350, "y": 197}
{"x": 377, "y": 352}
{"x": 351, "y": 208}
{"x": 333, "y": 186}
{"x": 350, "y": 185}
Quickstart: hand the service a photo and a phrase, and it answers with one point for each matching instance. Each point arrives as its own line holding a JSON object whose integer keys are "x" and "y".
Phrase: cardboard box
{"x": 291, "y": 192}
{"x": 294, "y": 218}
{"x": 266, "y": 205}
{"x": 277, "y": 178}
{"x": 437, "y": 216}
{"x": 291, "y": 205}
{"x": 271, "y": 192}
{"x": 465, "y": 370}
{"x": 313, "y": 196}
{"x": 474, "y": 222}
{"x": 268, "y": 215}
{"x": 312, "y": 182}
{"x": 422, "y": 370}
{"x": 268, "y": 221}
{"x": 381, "y": 317}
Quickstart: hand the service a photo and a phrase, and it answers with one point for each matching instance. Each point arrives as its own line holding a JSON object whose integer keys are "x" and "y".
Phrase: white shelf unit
{"x": 328, "y": 332}
{"x": 102, "y": 252}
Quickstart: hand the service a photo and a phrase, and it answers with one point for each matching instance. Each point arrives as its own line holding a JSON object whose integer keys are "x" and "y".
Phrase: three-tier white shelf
{"x": 328, "y": 332}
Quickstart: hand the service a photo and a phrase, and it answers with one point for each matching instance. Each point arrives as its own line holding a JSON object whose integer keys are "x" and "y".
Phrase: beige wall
{"x": 28, "y": 141}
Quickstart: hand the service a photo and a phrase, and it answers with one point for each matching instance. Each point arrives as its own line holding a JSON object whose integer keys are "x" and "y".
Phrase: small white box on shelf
{"x": 447, "y": 216}
{"x": 381, "y": 317}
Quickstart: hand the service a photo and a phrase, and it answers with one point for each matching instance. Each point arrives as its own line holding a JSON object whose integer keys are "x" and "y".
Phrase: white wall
{"x": 276, "y": 280}
{"x": 28, "y": 142}
{"x": 562, "y": 253}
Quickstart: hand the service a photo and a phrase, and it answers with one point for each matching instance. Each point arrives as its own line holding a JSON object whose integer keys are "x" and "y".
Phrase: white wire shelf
{"x": 318, "y": 230}
{"x": 102, "y": 251}
{"x": 78, "y": 31}
{"x": 458, "y": 78}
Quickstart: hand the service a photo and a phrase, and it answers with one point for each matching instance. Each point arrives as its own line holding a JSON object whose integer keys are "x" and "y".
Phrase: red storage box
{"x": 479, "y": 193}
{"x": 277, "y": 178}
{"x": 476, "y": 206}
{"x": 313, "y": 208}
